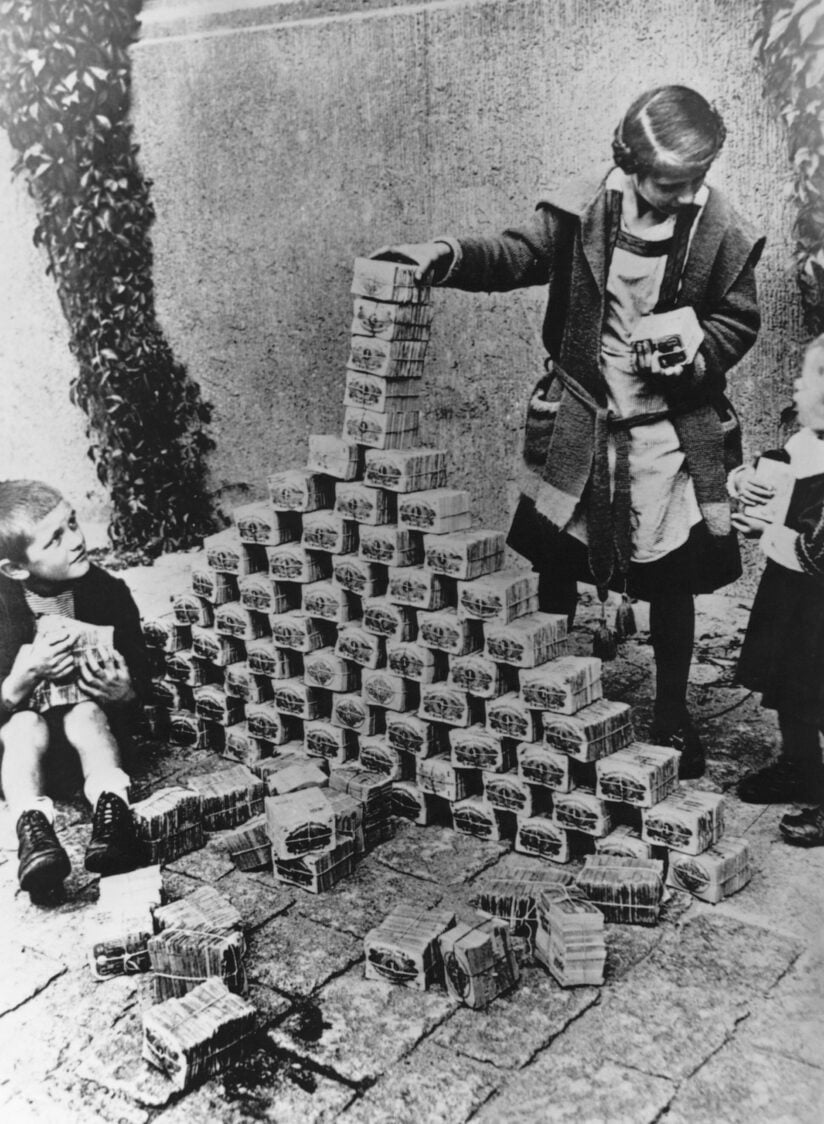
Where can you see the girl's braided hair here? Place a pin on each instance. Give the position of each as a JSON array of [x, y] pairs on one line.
[[669, 127]]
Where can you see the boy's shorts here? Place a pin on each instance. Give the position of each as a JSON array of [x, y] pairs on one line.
[[62, 773]]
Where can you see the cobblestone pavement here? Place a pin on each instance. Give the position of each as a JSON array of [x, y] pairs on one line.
[[714, 1015]]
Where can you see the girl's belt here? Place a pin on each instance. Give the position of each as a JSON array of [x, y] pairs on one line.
[[609, 534]]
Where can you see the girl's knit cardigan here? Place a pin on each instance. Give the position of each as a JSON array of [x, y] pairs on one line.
[[566, 245]]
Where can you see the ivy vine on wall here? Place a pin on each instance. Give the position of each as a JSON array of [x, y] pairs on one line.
[[789, 42], [64, 100]]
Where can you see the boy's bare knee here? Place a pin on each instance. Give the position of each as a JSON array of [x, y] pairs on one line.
[[84, 718], [27, 729]]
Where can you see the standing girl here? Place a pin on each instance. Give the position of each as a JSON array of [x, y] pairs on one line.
[[783, 652], [626, 462]]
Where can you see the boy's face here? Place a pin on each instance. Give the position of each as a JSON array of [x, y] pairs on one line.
[[57, 551], [808, 393]]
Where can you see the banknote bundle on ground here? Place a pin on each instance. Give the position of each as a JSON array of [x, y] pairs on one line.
[[570, 937], [190, 956], [419, 948], [356, 620], [120, 928], [515, 899], [195, 1020], [178, 818], [200, 1034]]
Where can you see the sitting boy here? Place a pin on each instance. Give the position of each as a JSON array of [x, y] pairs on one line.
[[45, 572]]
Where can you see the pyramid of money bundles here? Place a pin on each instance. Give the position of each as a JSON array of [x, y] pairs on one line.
[[356, 635]]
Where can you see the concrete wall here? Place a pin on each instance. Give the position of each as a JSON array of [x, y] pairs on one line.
[[286, 138]]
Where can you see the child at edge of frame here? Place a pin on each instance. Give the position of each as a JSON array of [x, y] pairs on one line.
[[45, 572], [783, 651]]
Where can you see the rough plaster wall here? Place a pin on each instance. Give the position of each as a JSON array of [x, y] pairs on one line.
[[41, 433], [286, 137], [281, 150]]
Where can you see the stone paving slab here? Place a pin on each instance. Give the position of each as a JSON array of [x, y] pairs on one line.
[[208, 863], [432, 1085], [437, 854], [64, 1099], [573, 1088], [788, 1023], [359, 903], [296, 956], [628, 945], [25, 973], [514, 1027], [178, 885], [256, 899], [787, 891], [55, 1026], [757, 823], [359, 1028], [719, 953], [744, 1086], [649, 1024], [271, 1005], [113, 1060], [738, 733], [625, 679], [263, 1088], [57, 929]]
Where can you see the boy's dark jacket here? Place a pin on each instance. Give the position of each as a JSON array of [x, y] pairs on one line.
[[99, 598], [566, 244]]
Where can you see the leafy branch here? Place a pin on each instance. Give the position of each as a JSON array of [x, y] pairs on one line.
[[65, 86]]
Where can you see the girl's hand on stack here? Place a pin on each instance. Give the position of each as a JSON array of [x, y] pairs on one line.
[[425, 255]]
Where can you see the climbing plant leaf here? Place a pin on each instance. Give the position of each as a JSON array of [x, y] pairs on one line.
[[65, 86], [789, 44]]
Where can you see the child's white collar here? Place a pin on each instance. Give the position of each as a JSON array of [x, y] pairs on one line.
[[806, 451]]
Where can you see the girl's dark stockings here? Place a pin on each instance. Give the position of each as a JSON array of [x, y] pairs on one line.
[[801, 744], [672, 635]]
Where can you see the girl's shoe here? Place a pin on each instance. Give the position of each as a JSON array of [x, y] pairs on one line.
[[806, 829]]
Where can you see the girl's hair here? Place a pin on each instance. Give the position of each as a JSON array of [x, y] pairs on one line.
[[668, 128], [23, 503]]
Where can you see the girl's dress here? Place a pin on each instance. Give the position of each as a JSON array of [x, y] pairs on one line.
[[783, 651], [663, 507], [569, 244]]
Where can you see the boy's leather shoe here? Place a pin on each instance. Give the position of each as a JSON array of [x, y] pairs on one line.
[[113, 847], [805, 829], [685, 739], [781, 782], [43, 862]]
